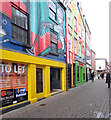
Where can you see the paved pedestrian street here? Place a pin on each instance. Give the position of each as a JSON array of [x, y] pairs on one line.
[[90, 100]]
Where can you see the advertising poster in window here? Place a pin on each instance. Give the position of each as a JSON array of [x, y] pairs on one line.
[[13, 83]]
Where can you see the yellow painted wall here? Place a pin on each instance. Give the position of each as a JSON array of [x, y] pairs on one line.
[[33, 63]]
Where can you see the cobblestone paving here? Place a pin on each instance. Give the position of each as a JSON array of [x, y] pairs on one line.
[[90, 100]]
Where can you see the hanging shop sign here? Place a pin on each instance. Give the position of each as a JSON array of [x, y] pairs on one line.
[[13, 82], [81, 64]]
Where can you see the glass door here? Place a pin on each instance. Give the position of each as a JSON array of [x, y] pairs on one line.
[[39, 80]]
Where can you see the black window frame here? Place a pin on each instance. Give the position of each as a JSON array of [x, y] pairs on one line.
[[24, 30], [53, 42], [54, 12]]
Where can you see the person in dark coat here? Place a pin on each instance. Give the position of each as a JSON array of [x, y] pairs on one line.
[[108, 79], [92, 76], [102, 75]]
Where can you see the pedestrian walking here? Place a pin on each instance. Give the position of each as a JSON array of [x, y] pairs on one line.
[[92, 76], [98, 75], [102, 76], [108, 81]]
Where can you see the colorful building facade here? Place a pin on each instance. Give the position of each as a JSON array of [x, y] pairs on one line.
[[93, 60], [43, 47], [88, 51], [75, 49], [33, 53]]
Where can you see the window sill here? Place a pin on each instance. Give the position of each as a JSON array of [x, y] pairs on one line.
[[55, 54], [20, 44]]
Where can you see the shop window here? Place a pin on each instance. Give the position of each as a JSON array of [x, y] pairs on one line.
[[14, 83], [52, 10], [39, 80], [19, 26], [53, 42], [78, 73], [75, 24], [55, 79], [69, 38]]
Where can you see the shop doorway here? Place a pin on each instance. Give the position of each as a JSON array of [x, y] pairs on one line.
[[55, 79], [74, 75], [78, 74], [69, 76], [81, 74], [84, 79], [39, 80]]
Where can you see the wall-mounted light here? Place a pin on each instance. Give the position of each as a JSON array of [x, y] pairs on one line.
[[6, 40]]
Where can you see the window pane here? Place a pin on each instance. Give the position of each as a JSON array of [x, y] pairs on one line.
[[69, 46], [17, 13], [13, 11], [25, 40], [69, 38], [53, 47], [25, 18], [18, 32], [25, 25], [54, 37], [52, 5], [52, 14], [21, 15], [75, 21], [22, 23], [13, 18]]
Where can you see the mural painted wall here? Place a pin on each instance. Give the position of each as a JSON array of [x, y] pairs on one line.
[[48, 32], [14, 24]]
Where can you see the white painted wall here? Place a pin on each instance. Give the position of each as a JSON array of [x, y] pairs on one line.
[[100, 63]]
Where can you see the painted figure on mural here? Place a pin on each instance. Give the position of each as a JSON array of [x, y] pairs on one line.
[[5, 32], [58, 28]]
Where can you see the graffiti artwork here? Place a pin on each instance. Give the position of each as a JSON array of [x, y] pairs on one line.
[[47, 20], [5, 25], [58, 28]]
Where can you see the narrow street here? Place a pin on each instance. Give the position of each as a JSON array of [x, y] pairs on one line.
[[90, 100]]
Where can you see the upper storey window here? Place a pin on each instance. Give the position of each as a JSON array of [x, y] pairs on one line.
[[69, 17], [19, 26], [52, 10]]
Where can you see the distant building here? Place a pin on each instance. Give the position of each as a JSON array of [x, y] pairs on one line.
[[101, 65], [88, 51], [93, 60]]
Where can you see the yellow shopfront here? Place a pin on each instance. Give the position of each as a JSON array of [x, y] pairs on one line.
[[37, 77]]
